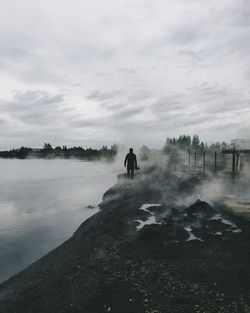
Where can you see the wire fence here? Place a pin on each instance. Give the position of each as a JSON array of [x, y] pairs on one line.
[[202, 161]]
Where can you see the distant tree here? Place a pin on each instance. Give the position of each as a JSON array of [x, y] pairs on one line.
[[115, 147], [58, 151], [144, 153], [195, 142], [23, 152], [224, 145], [48, 152], [47, 146], [215, 146], [183, 143]]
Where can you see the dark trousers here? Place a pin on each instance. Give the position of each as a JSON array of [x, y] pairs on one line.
[[130, 172]]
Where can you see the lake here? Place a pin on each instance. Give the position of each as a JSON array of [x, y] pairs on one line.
[[42, 202]]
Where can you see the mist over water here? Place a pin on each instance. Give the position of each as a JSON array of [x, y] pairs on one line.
[[42, 202]]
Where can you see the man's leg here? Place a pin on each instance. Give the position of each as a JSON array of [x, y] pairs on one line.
[[128, 170], [132, 173]]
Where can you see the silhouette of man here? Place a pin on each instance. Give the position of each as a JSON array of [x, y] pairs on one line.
[[131, 163]]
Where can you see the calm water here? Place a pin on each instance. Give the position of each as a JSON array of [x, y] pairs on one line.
[[42, 202]]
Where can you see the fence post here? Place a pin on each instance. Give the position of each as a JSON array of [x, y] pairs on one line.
[[189, 159], [195, 161], [204, 163], [233, 164], [238, 162], [215, 162]]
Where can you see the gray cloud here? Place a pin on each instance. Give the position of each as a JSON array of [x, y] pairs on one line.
[[123, 71], [188, 35], [88, 123], [128, 112], [238, 13], [37, 97], [169, 103], [2, 121], [220, 99], [35, 107], [102, 96]]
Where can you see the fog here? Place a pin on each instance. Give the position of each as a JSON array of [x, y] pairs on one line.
[[42, 202], [179, 183]]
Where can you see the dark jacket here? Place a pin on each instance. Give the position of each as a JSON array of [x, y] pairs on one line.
[[130, 160]]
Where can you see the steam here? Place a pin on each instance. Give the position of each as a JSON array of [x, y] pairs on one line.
[[168, 176]]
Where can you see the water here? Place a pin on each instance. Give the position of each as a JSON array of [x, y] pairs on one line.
[[42, 202]]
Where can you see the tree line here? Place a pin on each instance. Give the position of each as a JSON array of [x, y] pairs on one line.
[[61, 152], [183, 142], [186, 142]]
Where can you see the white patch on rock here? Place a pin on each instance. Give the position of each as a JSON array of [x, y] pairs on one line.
[[218, 233], [151, 220], [145, 207], [227, 222], [238, 230], [234, 228], [216, 217], [107, 308], [191, 235]]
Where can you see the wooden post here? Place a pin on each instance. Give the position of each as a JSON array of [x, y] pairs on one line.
[[189, 160], [238, 161], [195, 161], [233, 163], [204, 163], [215, 162]]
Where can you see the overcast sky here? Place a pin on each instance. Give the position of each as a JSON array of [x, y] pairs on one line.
[[89, 73]]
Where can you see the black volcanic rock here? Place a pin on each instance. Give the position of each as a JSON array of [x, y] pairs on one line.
[[141, 253]]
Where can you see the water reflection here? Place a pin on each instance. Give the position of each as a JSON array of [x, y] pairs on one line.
[[42, 202]]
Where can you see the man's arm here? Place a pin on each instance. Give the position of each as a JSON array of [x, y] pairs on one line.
[[126, 160], [135, 162]]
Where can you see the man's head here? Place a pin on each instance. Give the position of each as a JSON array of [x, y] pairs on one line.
[[130, 150]]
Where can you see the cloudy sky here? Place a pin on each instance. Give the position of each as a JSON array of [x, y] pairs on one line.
[[81, 72]]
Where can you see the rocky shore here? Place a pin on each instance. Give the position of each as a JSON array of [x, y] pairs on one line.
[[146, 251]]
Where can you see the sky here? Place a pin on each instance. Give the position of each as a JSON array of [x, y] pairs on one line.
[[132, 72]]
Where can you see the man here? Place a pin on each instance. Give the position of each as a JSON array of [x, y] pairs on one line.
[[131, 163]]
